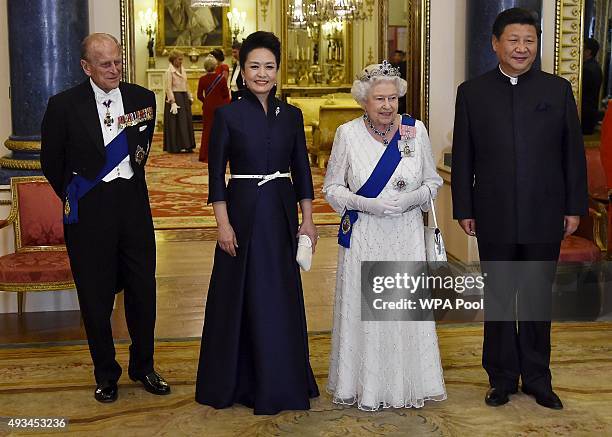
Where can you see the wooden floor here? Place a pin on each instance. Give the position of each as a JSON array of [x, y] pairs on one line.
[[184, 264]]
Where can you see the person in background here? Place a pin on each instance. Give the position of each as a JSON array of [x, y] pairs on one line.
[[221, 67], [178, 123], [236, 82], [213, 93], [399, 61], [591, 85]]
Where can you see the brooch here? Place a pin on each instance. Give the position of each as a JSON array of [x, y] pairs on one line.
[[346, 224], [67, 208], [277, 111], [399, 184], [140, 154]]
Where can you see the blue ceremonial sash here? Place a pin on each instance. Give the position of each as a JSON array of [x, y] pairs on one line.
[[214, 83], [385, 167], [116, 151]]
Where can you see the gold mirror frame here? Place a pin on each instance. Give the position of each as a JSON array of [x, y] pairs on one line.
[[569, 31], [127, 40], [348, 50], [417, 57]]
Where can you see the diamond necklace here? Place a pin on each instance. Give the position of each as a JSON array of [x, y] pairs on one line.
[[376, 131]]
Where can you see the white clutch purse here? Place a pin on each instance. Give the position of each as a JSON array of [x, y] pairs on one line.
[[304, 252], [434, 244]]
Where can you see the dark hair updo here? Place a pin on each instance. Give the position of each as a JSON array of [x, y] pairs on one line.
[[260, 40]]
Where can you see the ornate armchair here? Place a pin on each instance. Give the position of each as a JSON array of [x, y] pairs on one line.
[[40, 261], [330, 118]]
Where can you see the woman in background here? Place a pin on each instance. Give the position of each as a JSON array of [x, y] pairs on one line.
[[212, 92], [178, 124], [221, 67]]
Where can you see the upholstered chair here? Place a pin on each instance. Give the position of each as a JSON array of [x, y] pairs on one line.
[[40, 261]]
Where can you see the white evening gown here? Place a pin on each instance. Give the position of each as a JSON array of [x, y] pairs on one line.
[[379, 364]]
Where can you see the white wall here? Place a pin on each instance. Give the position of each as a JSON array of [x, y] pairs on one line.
[[447, 69]]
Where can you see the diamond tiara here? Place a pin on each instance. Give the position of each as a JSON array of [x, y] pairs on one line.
[[383, 69]]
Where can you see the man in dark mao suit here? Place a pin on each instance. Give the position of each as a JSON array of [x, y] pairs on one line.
[[110, 239], [519, 186]]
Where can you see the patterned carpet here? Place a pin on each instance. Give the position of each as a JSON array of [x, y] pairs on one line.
[[56, 381], [178, 189]]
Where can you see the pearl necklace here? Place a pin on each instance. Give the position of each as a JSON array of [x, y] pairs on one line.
[[376, 131]]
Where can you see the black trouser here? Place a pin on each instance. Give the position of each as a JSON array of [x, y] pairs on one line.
[[510, 348], [113, 247]]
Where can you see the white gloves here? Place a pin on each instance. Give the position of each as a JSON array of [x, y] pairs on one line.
[[389, 207], [412, 199], [174, 108], [375, 206]]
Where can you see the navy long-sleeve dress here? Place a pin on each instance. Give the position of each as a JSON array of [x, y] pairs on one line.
[[254, 344]]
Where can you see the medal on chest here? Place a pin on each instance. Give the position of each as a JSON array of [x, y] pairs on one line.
[[108, 120], [407, 141]]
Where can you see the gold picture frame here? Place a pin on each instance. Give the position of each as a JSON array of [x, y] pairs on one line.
[[418, 59], [182, 28]]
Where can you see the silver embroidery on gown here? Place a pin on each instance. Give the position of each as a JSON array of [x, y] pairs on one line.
[[379, 364]]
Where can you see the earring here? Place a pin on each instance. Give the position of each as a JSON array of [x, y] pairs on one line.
[[243, 82]]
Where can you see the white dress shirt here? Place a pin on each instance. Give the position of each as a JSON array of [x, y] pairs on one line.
[[234, 77], [124, 169]]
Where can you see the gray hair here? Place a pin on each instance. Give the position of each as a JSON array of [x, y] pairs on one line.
[[94, 38], [210, 63], [361, 88]]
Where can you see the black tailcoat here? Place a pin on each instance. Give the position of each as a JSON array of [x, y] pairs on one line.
[[518, 157], [112, 246], [254, 343]]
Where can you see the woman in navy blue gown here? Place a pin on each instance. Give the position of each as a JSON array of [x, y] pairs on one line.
[[254, 344]]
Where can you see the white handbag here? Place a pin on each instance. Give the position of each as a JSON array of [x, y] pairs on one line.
[[304, 252], [434, 244]]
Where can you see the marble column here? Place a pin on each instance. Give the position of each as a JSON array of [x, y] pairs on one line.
[[44, 39], [480, 17]]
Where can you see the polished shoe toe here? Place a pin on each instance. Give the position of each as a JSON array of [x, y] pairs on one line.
[[154, 383], [496, 397], [106, 392], [545, 398]]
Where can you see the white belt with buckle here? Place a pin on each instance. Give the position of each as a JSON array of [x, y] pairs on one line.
[[264, 177]]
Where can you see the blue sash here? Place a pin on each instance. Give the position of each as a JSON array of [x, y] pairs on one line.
[[214, 83], [116, 151], [383, 171]]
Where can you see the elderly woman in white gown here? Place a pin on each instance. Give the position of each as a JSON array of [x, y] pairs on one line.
[[378, 364]]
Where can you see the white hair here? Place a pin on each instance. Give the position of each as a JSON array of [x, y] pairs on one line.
[[361, 88]]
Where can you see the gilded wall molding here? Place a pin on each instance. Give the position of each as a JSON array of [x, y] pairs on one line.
[[128, 56], [569, 25]]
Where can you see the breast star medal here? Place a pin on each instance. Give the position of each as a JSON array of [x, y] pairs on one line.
[[399, 184], [140, 154]]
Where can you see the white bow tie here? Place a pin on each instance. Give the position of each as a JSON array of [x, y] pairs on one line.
[[113, 95]]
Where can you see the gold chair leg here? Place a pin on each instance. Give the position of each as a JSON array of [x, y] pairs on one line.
[[20, 302]]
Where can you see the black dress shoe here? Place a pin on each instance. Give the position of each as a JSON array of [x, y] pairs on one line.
[[546, 398], [106, 392], [154, 383], [496, 397]]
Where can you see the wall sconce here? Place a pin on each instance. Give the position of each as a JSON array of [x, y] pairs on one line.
[[236, 21], [148, 23]]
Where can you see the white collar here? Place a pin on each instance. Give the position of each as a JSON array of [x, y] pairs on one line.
[[513, 80], [102, 96]]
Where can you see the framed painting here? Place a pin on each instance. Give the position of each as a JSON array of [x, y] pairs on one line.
[[182, 27]]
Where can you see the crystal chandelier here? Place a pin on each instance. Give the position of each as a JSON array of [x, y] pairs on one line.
[[209, 3], [313, 13]]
